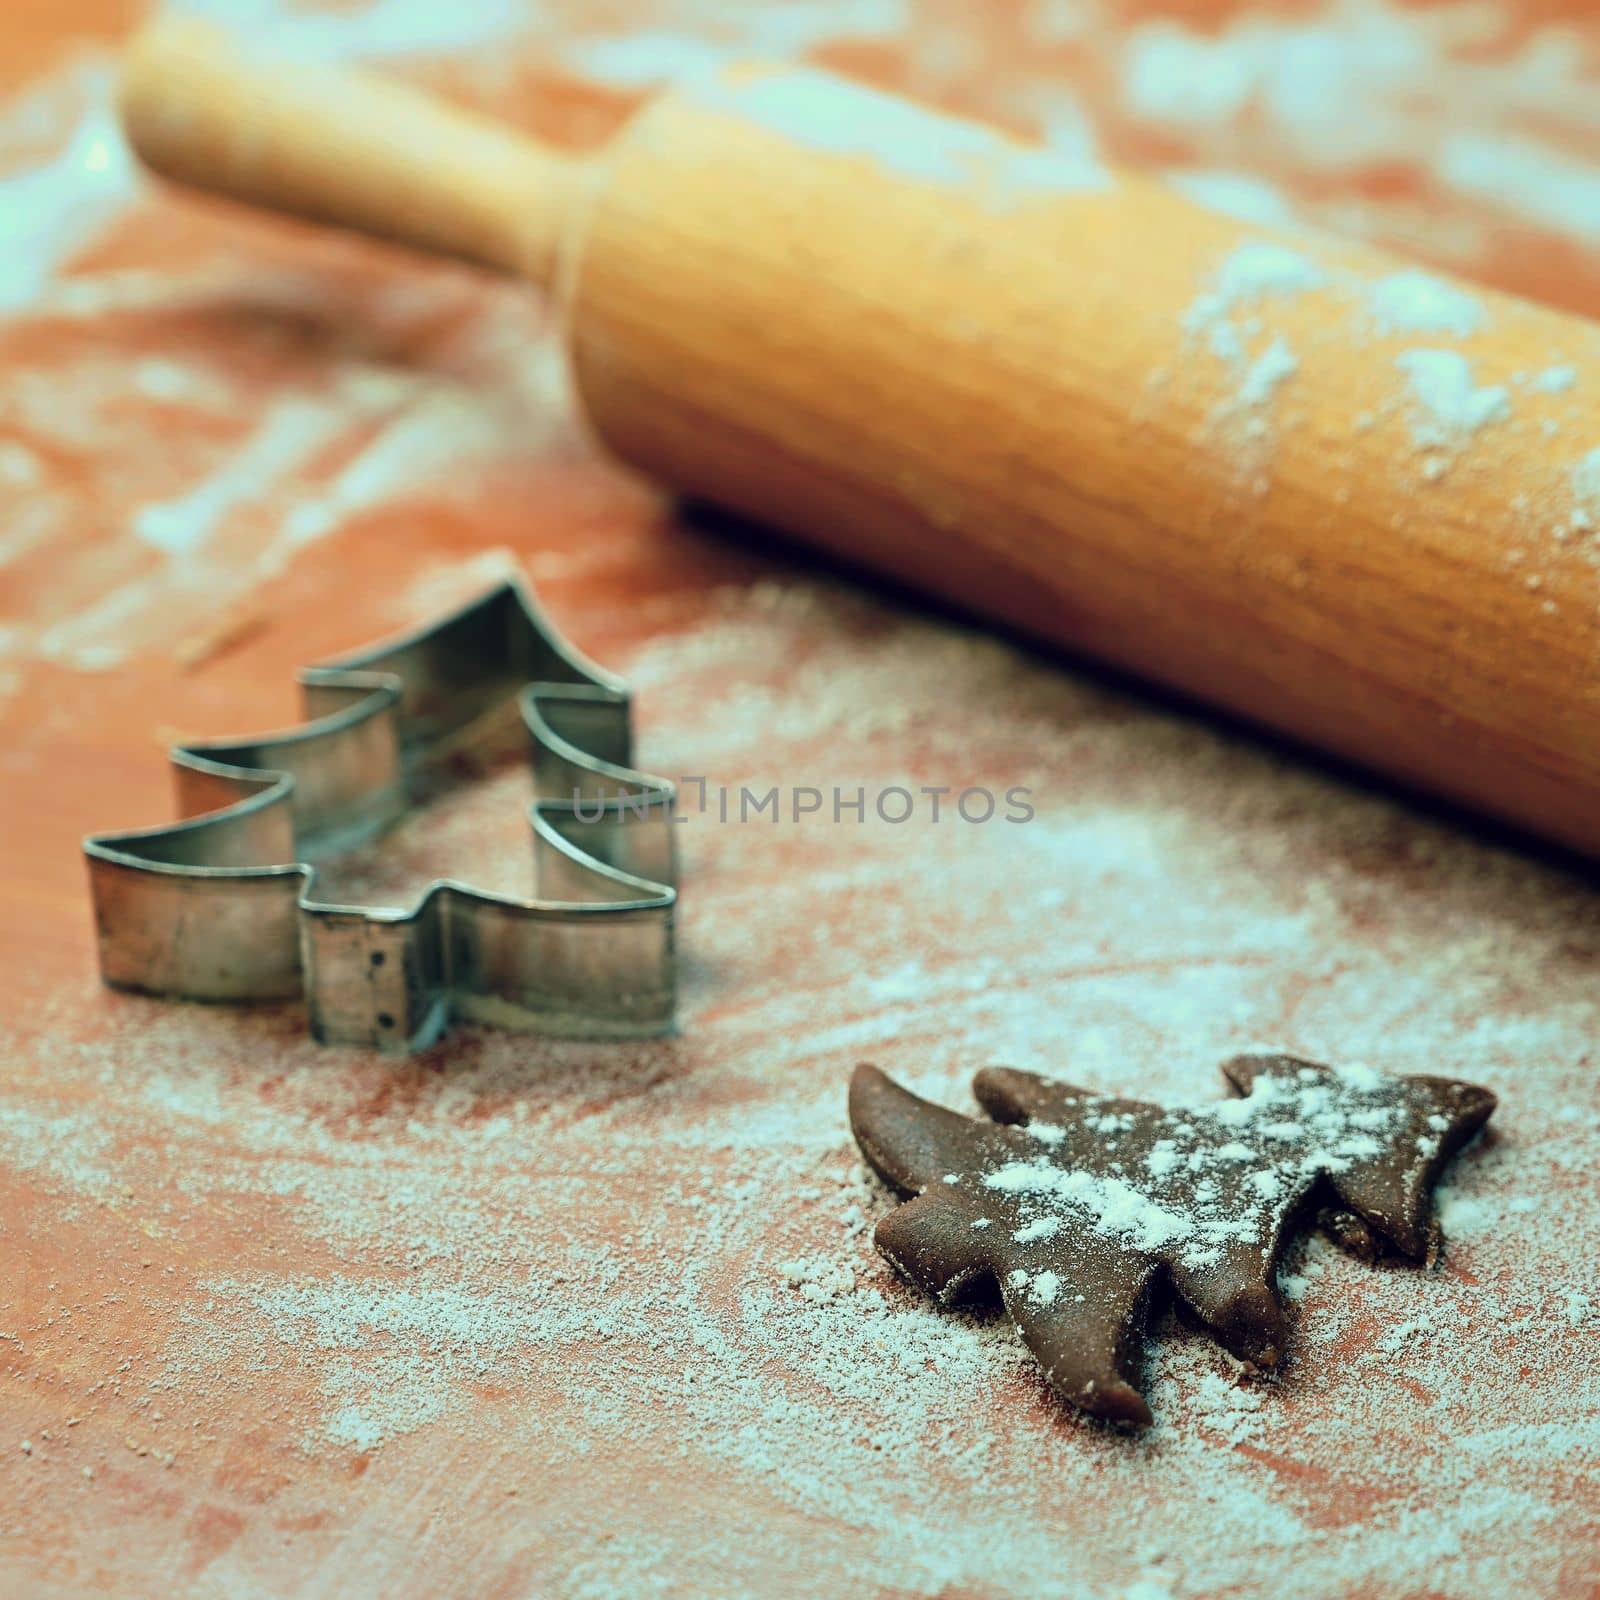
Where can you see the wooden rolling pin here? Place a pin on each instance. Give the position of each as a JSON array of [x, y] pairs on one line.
[[1349, 500]]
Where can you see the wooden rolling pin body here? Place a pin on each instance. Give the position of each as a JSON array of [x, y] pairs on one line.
[[1287, 475]]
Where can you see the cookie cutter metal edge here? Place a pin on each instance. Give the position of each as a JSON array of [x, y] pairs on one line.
[[222, 905]]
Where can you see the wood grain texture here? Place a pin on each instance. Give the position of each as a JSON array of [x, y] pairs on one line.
[[516, 1320], [1054, 396], [1011, 397]]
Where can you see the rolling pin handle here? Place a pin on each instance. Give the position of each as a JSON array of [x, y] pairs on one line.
[[339, 147]]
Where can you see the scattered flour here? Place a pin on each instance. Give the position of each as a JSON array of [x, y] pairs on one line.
[[819, 1279], [1272, 368], [372, 29], [48, 213], [1256, 271], [1555, 380], [645, 58], [1231, 1410], [1586, 490], [1191, 1199], [287, 440], [1347, 84], [846, 120], [1449, 407], [660, 1254], [1531, 181], [452, 1258], [1225, 316], [1241, 195], [1416, 302]]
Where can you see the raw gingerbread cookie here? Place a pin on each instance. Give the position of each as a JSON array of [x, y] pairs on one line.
[[1080, 1204]]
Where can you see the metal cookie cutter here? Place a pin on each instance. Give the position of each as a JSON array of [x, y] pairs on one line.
[[223, 905]]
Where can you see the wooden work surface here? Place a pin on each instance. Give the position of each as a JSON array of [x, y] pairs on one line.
[[514, 1318]]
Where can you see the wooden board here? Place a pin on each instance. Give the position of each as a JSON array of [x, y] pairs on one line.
[[516, 1318]]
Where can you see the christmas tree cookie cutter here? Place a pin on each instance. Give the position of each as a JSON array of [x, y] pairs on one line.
[[224, 906]]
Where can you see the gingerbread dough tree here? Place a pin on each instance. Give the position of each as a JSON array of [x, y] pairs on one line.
[[1079, 1205]]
